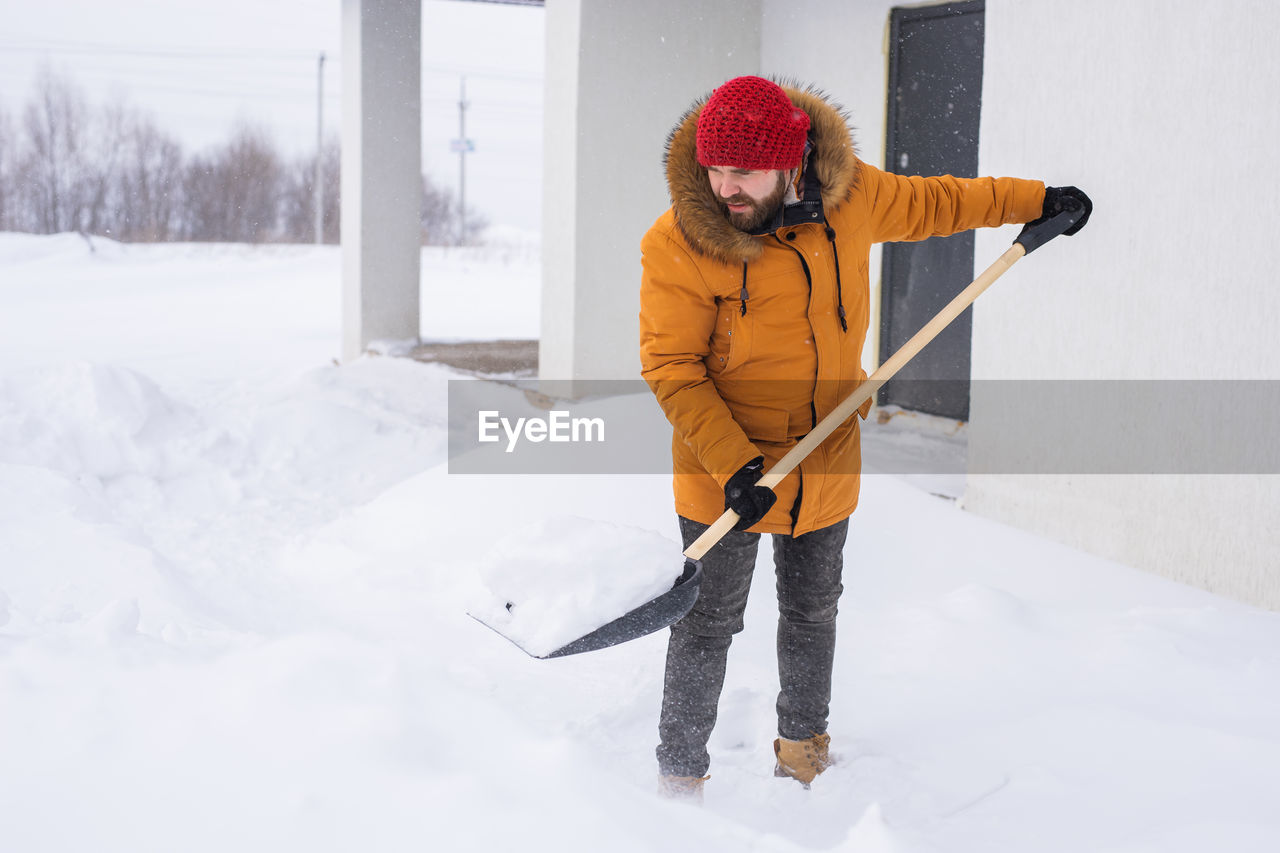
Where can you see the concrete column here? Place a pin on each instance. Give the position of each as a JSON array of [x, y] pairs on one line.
[[619, 74], [381, 172]]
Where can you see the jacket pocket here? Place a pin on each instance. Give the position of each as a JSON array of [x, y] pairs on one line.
[[731, 341]]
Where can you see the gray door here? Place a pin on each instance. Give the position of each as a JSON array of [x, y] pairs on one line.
[[935, 99]]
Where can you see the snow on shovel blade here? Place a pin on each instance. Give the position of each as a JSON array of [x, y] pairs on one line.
[[549, 594], [653, 615]]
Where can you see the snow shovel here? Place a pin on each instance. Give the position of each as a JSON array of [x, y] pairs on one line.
[[669, 607]]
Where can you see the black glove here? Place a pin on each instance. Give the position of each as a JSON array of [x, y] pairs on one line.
[[1053, 205], [743, 496]]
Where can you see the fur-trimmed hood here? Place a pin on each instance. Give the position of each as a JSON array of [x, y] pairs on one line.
[[699, 216]]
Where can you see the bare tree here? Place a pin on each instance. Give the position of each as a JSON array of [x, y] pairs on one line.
[[298, 208], [440, 219], [8, 142], [199, 219], [51, 175], [99, 169], [148, 191], [234, 193]]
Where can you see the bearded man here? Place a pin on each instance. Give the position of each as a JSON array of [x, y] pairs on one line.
[[754, 310]]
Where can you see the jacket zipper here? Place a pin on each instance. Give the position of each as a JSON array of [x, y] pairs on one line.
[[808, 278]]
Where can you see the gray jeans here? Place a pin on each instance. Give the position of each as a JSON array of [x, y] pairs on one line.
[[808, 572]]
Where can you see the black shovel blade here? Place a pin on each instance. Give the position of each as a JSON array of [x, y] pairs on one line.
[[654, 615]]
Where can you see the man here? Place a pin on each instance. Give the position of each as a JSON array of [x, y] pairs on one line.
[[754, 310]]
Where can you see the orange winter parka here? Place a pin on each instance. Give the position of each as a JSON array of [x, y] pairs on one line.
[[748, 340]]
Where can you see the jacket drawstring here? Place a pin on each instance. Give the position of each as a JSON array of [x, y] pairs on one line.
[[835, 254], [743, 295]]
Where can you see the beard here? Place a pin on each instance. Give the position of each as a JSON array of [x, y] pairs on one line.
[[760, 211]]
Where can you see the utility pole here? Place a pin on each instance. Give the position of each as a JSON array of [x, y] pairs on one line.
[[462, 146], [318, 188], [463, 143]]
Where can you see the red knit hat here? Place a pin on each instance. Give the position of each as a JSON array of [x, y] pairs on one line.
[[750, 123]]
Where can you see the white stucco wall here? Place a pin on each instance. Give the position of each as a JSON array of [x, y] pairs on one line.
[[619, 74], [1164, 113]]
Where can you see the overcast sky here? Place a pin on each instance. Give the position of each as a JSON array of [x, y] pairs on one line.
[[202, 67]]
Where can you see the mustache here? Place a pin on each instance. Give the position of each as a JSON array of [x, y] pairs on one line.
[[738, 198]]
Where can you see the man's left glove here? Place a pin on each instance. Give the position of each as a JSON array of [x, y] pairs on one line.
[[1053, 205], [743, 496]]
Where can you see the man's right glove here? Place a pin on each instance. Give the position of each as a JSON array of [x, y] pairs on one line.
[[743, 496], [1053, 205]]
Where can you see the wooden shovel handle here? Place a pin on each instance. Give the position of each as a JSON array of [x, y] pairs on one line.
[[865, 390]]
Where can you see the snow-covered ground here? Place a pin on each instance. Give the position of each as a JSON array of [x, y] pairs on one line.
[[234, 579]]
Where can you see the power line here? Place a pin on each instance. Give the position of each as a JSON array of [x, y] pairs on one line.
[[276, 54], [240, 55], [495, 74], [245, 79]]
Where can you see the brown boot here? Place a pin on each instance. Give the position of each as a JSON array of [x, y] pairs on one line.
[[802, 760], [682, 787]]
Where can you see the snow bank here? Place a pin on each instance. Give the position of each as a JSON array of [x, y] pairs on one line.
[[234, 582], [83, 418]]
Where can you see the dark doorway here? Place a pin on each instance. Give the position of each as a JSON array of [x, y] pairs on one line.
[[935, 100]]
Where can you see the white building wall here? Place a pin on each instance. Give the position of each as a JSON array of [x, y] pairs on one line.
[[619, 74], [1164, 113]]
